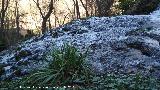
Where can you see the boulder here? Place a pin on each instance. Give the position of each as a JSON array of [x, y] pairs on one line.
[[114, 46]]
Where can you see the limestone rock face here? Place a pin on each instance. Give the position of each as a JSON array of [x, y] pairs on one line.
[[121, 44]]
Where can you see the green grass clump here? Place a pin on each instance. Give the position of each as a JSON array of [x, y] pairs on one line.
[[68, 67]]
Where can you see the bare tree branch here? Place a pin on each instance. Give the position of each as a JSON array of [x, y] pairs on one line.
[[40, 10], [85, 7]]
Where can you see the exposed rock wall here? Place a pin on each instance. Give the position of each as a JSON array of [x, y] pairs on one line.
[[121, 44]]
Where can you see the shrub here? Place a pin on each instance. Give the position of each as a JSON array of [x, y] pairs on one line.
[[2, 44], [138, 6], [126, 4]]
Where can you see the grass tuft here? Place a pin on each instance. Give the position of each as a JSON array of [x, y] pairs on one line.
[[68, 67]]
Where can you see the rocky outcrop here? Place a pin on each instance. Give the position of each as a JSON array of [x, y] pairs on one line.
[[122, 44]]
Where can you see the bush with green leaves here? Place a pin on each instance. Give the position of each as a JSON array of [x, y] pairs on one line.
[[137, 7], [126, 4]]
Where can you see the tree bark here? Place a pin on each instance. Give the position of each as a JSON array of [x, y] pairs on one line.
[[17, 19], [44, 25], [77, 10], [2, 15], [50, 23]]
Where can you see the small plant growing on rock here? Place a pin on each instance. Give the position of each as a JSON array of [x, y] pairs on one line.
[[2, 45], [68, 67], [1, 69]]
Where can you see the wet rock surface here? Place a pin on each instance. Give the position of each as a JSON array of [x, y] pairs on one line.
[[122, 44]]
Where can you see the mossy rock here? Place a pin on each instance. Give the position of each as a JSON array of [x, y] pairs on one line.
[[139, 32], [25, 63], [18, 48], [17, 58], [22, 54], [78, 32], [17, 72], [2, 70]]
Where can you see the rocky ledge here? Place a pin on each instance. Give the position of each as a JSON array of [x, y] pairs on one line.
[[122, 44]]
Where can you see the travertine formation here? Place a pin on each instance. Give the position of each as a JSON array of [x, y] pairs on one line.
[[122, 44]]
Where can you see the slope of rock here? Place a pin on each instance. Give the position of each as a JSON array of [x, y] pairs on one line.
[[122, 44]]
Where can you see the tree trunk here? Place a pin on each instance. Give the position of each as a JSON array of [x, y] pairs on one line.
[[44, 24], [77, 9], [74, 9], [2, 15], [45, 17], [50, 26], [17, 19]]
